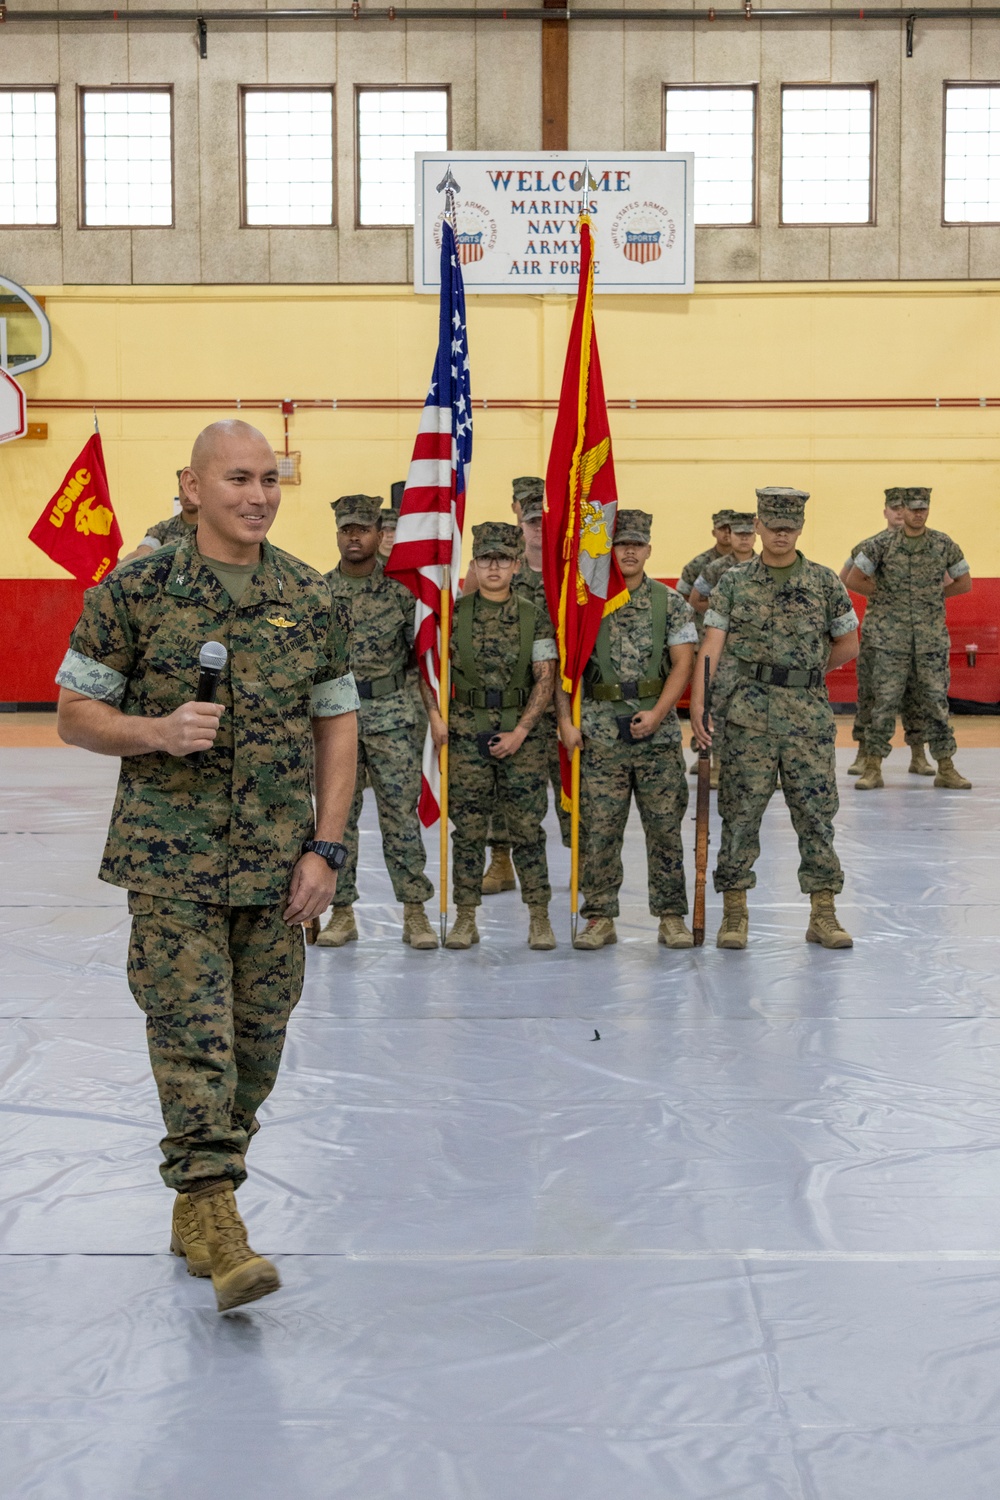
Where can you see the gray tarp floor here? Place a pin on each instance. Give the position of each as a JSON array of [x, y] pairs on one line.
[[747, 1244]]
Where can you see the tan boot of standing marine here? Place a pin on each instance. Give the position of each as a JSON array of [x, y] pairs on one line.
[[186, 1237], [238, 1274], [598, 933], [735, 928], [919, 764], [823, 925], [464, 931], [540, 934], [672, 933], [858, 763], [871, 777], [947, 776], [417, 931], [500, 874], [340, 929]]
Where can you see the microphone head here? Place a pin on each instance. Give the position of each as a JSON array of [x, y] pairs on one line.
[[212, 656]]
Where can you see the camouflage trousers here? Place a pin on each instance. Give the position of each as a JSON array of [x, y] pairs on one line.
[[547, 726], [914, 728], [610, 775], [391, 763], [217, 985], [516, 788], [926, 674], [750, 767]]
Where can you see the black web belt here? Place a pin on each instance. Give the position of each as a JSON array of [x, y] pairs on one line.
[[381, 687], [491, 697], [772, 676]]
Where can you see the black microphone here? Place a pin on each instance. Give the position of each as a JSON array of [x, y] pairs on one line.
[[212, 660]]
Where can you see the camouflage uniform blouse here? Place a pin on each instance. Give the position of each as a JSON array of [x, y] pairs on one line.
[[630, 629], [531, 586], [175, 529], [713, 571], [697, 565], [787, 624], [377, 614], [907, 610], [228, 831], [496, 646]]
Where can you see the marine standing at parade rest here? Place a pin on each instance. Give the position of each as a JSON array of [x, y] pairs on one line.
[[743, 531], [378, 616], [787, 622], [906, 575], [173, 529], [685, 583], [503, 657], [223, 859], [914, 730], [630, 744]]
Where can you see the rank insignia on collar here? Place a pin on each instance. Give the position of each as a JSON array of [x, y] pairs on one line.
[[281, 622]]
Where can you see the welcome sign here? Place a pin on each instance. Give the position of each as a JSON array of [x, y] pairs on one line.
[[516, 215]]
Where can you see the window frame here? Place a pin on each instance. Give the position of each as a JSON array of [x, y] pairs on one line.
[[754, 221], [872, 220], [40, 88], [81, 151], [959, 83], [388, 88], [287, 88]]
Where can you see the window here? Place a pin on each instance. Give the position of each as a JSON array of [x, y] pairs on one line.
[[126, 142], [288, 156], [972, 153], [392, 125], [826, 155], [28, 156], [719, 126]]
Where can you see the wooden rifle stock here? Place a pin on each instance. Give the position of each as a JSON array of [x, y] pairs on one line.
[[701, 824]]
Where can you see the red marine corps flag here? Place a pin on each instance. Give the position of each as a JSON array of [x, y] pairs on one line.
[[583, 582], [77, 528]]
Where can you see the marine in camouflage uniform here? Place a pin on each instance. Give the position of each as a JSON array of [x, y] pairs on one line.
[[640, 666], [207, 850], [780, 622], [742, 528], [502, 656], [691, 570], [906, 574], [388, 521], [377, 614]]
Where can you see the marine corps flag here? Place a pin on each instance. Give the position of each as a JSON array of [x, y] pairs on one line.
[[77, 528]]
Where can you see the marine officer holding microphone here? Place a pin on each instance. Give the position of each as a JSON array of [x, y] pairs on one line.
[[223, 858]]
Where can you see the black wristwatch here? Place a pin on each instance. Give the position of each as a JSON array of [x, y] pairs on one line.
[[334, 854]]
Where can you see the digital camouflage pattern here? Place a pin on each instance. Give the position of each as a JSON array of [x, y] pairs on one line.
[[230, 830], [690, 571], [174, 529], [633, 526], [726, 672], [377, 614], [778, 505], [923, 677], [914, 726], [497, 539], [770, 729], [531, 585], [528, 487], [496, 646], [630, 632], [907, 610], [914, 497], [217, 986], [357, 510]]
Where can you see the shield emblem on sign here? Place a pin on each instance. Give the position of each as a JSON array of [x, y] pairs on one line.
[[642, 246], [470, 247]]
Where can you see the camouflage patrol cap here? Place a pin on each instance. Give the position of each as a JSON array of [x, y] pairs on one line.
[[743, 521], [633, 526], [722, 517], [357, 510], [497, 539], [387, 519], [528, 487], [531, 510], [913, 498], [778, 506]]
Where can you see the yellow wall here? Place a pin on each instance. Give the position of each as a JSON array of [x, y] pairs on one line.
[[736, 341]]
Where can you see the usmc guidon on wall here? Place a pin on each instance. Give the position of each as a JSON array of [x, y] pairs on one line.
[[516, 216]]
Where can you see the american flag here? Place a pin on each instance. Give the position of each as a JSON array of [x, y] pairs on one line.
[[432, 512]]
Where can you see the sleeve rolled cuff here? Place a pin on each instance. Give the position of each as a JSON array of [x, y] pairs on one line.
[[703, 586], [545, 650], [686, 636], [864, 564], [337, 696], [844, 624], [92, 679], [713, 620], [683, 587], [150, 541], [959, 569]]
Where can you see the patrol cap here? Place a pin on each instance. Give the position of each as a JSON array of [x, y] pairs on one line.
[[722, 517], [633, 526], [357, 510], [497, 539], [528, 487], [778, 506], [913, 498], [387, 519], [743, 521], [531, 510]]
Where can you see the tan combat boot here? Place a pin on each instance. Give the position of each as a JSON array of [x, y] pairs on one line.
[[598, 933], [186, 1237], [823, 925], [871, 777], [673, 934], [417, 931], [464, 931], [340, 929], [713, 779], [735, 927], [857, 765], [500, 875], [919, 764], [540, 934], [949, 777], [238, 1275]]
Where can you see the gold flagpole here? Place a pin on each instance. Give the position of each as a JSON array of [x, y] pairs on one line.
[[444, 690], [574, 836]]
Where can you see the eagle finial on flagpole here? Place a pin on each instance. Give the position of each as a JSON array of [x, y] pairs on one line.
[[449, 187]]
